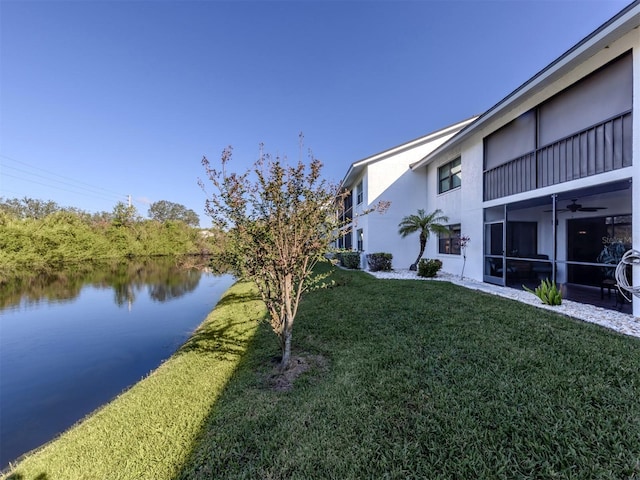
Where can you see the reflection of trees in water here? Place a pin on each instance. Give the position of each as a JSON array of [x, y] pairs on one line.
[[123, 294], [165, 278], [175, 287], [55, 287]]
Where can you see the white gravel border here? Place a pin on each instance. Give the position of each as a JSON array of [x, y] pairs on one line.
[[620, 322]]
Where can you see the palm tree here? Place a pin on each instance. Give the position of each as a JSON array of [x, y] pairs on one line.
[[425, 224]]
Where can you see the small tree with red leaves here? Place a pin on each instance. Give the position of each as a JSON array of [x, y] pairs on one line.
[[280, 220]]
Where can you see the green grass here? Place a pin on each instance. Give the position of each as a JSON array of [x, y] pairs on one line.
[[424, 380], [429, 380]]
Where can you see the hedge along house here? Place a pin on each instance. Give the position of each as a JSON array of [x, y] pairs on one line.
[[386, 176], [550, 176]]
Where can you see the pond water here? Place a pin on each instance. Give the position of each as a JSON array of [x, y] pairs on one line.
[[72, 342]]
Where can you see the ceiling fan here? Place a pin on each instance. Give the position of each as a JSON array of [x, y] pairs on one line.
[[574, 206]]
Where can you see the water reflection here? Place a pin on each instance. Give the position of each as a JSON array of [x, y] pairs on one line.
[[72, 341], [163, 278]]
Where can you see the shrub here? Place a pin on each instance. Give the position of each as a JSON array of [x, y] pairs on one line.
[[333, 258], [350, 260], [428, 267], [379, 261], [548, 292]]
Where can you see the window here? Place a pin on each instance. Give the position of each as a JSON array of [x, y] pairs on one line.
[[450, 242], [360, 239], [347, 211], [450, 176], [347, 245], [359, 193]]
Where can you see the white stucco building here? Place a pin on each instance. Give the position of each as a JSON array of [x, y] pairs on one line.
[[546, 183], [387, 177]]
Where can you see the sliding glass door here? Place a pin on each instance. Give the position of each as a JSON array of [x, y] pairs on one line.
[[494, 241]]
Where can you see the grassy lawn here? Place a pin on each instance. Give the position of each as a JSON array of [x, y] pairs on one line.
[[422, 380], [429, 380]]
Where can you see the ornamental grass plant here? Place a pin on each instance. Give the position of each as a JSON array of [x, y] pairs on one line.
[[547, 292]]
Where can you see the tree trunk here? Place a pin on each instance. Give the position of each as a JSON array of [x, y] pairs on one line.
[[464, 262], [423, 244], [286, 350]]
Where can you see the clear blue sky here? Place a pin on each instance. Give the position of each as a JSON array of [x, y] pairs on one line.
[[101, 99]]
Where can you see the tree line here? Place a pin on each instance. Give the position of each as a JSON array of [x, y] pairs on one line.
[[38, 236], [161, 211]]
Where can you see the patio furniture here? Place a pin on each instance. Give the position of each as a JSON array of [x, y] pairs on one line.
[[541, 270], [608, 284]]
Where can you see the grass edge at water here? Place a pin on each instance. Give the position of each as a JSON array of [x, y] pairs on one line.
[[424, 380], [149, 430]]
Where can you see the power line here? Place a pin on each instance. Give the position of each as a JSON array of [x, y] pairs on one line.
[[92, 190], [60, 188], [58, 175]]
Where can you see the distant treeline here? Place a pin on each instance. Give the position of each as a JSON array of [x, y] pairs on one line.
[[40, 236]]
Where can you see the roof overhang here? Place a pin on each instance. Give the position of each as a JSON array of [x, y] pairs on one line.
[[357, 168], [614, 29]]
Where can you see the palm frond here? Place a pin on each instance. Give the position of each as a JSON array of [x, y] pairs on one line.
[[423, 223]]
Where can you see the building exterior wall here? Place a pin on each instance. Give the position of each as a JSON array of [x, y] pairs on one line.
[[390, 179], [406, 196], [465, 205]]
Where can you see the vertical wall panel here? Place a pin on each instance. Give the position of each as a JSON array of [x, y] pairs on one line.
[[617, 144], [590, 156], [627, 142], [598, 97], [607, 163], [511, 141], [599, 149]]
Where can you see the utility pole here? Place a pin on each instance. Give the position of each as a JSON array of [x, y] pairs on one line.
[[129, 196]]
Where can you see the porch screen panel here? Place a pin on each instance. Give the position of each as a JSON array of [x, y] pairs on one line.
[[348, 244], [603, 95], [347, 212], [514, 140]]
